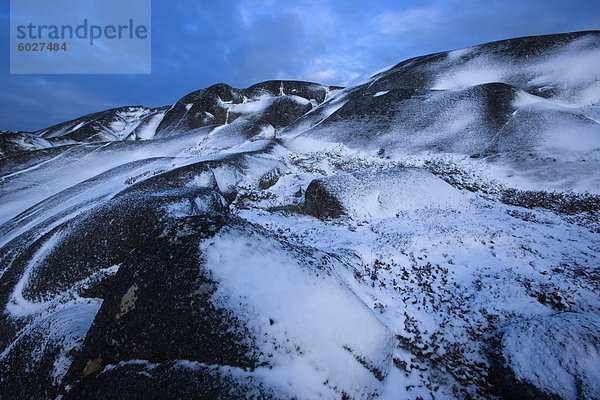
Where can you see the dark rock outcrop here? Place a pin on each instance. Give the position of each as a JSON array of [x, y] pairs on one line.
[[170, 380], [159, 308], [16, 143], [105, 126], [211, 106], [320, 202], [78, 260]]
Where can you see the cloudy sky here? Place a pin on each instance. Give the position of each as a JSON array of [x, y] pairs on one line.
[[240, 42]]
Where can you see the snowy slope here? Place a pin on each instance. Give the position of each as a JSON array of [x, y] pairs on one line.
[[527, 107], [431, 233]]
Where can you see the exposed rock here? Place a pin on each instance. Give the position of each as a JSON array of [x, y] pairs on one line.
[[285, 110], [320, 201], [15, 143], [216, 105], [159, 308], [77, 258], [306, 90], [103, 237], [40, 355], [269, 179], [200, 108], [171, 300], [146, 129], [105, 126], [170, 380], [197, 175], [491, 100]]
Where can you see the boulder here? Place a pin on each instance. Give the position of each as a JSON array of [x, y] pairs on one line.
[[549, 357], [379, 194]]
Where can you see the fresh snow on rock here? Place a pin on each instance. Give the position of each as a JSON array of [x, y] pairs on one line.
[[329, 334], [565, 350], [386, 193], [381, 93]]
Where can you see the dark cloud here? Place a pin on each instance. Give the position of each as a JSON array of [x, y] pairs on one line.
[[241, 42]]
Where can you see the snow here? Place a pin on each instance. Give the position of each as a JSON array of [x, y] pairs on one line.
[[260, 104], [570, 70], [548, 144], [45, 178], [524, 99], [560, 353], [381, 93], [267, 132], [382, 70], [145, 363], [567, 130], [321, 113], [63, 328], [183, 208], [326, 327], [18, 305], [79, 125], [255, 106], [309, 144], [480, 253], [68, 328], [118, 127], [149, 129], [591, 95], [456, 54], [386, 193], [61, 132], [475, 72], [573, 66], [562, 139], [227, 177]]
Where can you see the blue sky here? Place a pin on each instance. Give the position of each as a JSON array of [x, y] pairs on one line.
[[241, 42]]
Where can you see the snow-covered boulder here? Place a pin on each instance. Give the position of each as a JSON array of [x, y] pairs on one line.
[[379, 194], [551, 357]]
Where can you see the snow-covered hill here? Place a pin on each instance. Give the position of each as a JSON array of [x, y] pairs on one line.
[[432, 232], [526, 109]]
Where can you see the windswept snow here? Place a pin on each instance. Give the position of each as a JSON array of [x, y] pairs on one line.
[[148, 129], [439, 278], [381, 93], [330, 336], [475, 72], [565, 350]]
